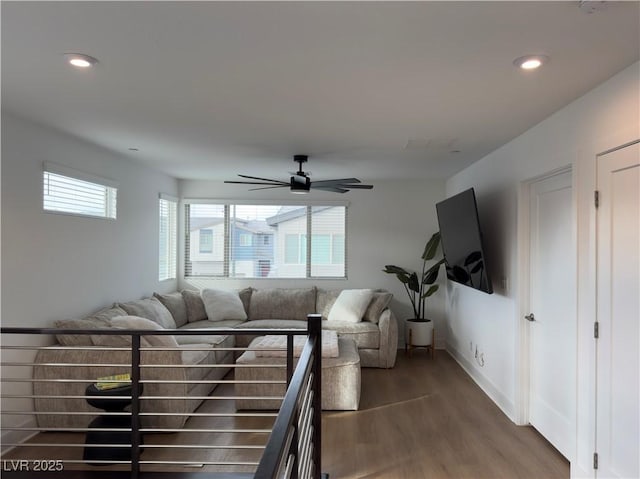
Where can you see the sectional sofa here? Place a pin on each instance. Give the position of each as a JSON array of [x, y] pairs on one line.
[[361, 315]]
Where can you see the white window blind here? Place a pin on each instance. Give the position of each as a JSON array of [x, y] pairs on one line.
[[72, 192], [258, 241], [167, 260]]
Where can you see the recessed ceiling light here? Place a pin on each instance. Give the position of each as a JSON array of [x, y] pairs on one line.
[[80, 60], [530, 62]]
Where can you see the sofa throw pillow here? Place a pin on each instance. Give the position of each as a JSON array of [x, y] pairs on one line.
[[378, 304], [134, 322], [107, 314], [195, 306], [325, 300], [350, 305], [78, 339], [221, 304], [150, 308], [174, 302], [245, 297]]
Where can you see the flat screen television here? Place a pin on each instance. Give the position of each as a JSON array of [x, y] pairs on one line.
[[461, 240]]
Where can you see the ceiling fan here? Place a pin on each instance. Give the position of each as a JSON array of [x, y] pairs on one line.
[[301, 183]]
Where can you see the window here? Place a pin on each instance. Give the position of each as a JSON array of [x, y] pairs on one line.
[[255, 241], [69, 191], [245, 239], [206, 241], [295, 249], [167, 264]]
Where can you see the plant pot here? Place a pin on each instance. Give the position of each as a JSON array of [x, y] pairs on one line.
[[418, 333]]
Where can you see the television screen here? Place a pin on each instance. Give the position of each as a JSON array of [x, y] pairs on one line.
[[461, 241]]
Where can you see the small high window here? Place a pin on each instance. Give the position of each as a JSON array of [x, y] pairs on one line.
[[69, 191]]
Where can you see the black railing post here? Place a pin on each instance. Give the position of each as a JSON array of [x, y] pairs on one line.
[[296, 412], [314, 322], [135, 405], [289, 358]]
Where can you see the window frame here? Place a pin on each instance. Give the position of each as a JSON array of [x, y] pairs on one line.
[[170, 256], [52, 171], [228, 205]]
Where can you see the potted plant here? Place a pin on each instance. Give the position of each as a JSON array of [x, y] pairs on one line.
[[419, 288]]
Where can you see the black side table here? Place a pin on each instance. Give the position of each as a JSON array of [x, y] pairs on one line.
[[104, 399]]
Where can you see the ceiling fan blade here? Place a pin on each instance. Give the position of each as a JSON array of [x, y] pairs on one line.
[[264, 179], [338, 181], [361, 187], [267, 187], [333, 188], [256, 183]]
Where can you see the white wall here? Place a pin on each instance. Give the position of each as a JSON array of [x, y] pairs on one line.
[[387, 225], [606, 117], [59, 266]]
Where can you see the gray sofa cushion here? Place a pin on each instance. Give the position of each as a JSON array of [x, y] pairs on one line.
[[273, 324], [150, 308], [364, 333], [282, 303], [379, 302], [207, 351], [174, 302], [325, 300], [195, 306], [98, 320], [245, 297], [78, 339], [134, 322], [107, 314], [206, 324]]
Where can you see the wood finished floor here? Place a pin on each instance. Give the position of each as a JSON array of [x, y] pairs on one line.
[[428, 419], [423, 419]]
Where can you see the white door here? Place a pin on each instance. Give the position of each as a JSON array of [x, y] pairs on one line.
[[618, 314], [552, 300]]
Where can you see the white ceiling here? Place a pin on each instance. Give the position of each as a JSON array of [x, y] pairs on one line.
[[206, 90]]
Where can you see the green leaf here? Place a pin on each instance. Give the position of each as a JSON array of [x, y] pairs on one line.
[[404, 278], [413, 284], [430, 291], [431, 274], [431, 247], [389, 268]]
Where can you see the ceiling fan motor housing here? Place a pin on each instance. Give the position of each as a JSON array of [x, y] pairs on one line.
[[300, 184]]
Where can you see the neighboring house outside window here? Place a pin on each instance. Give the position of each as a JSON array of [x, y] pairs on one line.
[[256, 241], [206, 241]]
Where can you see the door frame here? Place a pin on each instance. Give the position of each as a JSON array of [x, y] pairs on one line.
[[523, 359]]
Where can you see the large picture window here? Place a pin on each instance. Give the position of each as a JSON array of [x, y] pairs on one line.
[[265, 241]]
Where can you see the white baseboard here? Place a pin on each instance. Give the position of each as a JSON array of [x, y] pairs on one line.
[[17, 437], [576, 472], [485, 384]]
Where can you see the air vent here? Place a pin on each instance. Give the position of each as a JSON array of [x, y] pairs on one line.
[[592, 6]]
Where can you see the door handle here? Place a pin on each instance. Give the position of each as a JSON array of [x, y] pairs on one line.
[[530, 317]]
